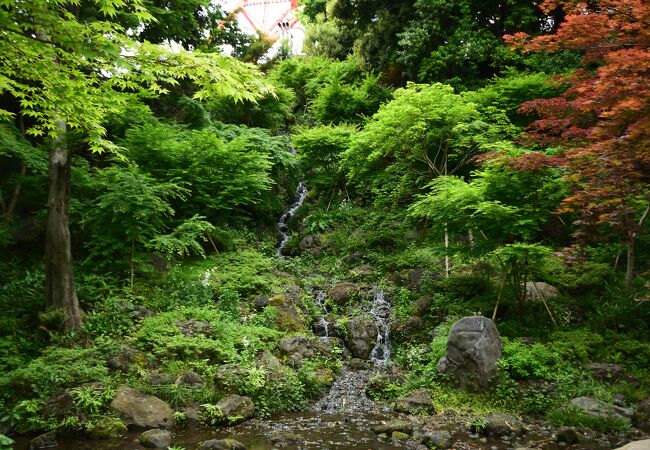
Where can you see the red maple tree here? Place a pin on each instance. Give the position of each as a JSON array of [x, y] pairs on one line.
[[603, 118]]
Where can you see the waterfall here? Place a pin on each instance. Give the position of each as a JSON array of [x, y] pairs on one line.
[[283, 227], [323, 324], [380, 311]]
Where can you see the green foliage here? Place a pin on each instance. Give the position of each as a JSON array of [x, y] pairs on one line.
[[521, 360], [185, 239], [111, 316], [6, 443], [57, 368], [91, 401]]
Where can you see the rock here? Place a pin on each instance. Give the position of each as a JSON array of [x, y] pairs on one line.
[[59, 405], [268, 360], [291, 312], [221, 444], [418, 401], [352, 257], [141, 410], [440, 440], [298, 347], [236, 408], [414, 323], [606, 372], [636, 445], [567, 435], [285, 439], [642, 415], [107, 428], [381, 381], [473, 349], [359, 364], [600, 409], [342, 293], [45, 440], [192, 414], [310, 242], [499, 424], [260, 301], [191, 328], [422, 305], [123, 360], [159, 379], [393, 425], [399, 435], [361, 336], [539, 290], [156, 438], [159, 262], [191, 380], [140, 312]]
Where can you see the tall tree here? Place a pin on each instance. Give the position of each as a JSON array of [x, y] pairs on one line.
[[604, 116], [68, 73]]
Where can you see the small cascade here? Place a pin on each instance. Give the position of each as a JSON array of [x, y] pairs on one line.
[[323, 324], [283, 222], [348, 394], [380, 311]]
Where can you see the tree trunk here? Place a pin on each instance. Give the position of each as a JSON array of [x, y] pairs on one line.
[[59, 278], [629, 273]]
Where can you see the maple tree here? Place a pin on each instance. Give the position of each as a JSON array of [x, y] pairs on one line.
[[604, 115]]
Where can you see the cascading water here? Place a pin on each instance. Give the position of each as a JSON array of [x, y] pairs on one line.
[[323, 325], [283, 222], [380, 311]]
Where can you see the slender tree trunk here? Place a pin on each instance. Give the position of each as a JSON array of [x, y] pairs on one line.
[[59, 278], [629, 273], [16, 193], [131, 262]]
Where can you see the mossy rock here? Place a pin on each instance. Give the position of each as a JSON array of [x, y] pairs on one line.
[[107, 428]]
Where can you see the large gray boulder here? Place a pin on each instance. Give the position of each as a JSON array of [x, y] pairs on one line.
[[539, 290], [418, 401], [45, 440], [473, 349], [361, 336], [141, 410], [636, 445]]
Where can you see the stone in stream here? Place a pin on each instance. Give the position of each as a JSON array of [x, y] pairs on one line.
[[391, 426], [440, 440], [236, 408], [636, 445], [221, 444], [141, 410], [45, 440], [568, 435], [107, 428], [473, 349], [642, 415], [156, 438], [361, 336]]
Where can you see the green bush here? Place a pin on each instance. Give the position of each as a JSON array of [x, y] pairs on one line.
[[575, 417], [521, 360]]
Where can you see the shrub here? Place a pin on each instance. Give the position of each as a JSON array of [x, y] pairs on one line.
[[575, 417], [521, 360]]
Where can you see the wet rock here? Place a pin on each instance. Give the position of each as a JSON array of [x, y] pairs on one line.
[[359, 364], [191, 380], [156, 438], [141, 410], [191, 328], [636, 445], [399, 435], [418, 401], [192, 414], [221, 444], [499, 424], [236, 408], [45, 440], [361, 336], [567, 435], [352, 257], [473, 349], [342, 293], [539, 290], [107, 428], [440, 440], [260, 302], [391, 426], [285, 439], [414, 323], [600, 409], [124, 360]]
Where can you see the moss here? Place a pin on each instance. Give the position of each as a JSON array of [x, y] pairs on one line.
[[106, 428]]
